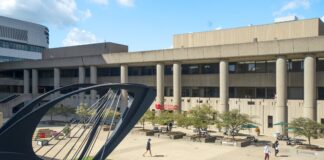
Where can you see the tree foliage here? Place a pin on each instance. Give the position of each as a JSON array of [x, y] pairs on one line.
[[164, 117], [306, 127], [148, 116], [233, 121], [201, 117]]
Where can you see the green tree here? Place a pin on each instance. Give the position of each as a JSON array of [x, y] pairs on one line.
[[148, 116], [201, 117], [306, 127], [182, 119], [233, 121], [52, 112], [82, 111], [164, 117]]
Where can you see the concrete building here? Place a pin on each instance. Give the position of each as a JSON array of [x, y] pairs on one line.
[[21, 40], [273, 72]]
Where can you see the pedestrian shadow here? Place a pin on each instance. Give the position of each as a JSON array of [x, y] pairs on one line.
[[283, 156], [158, 155]]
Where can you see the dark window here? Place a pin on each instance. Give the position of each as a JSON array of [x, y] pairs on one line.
[[260, 67], [134, 71], [321, 93], [261, 93], [270, 121], [232, 67], [295, 65], [231, 92], [195, 92], [271, 66], [69, 73], [149, 70], [211, 91], [168, 70], [271, 92], [320, 65], [185, 92], [210, 68]]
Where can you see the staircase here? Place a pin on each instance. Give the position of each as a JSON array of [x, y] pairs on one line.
[[11, 104]]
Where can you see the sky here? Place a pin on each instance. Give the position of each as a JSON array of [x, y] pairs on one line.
[[149, 24]]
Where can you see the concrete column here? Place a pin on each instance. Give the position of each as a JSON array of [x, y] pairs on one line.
[[124, 79], [34, 81], [26, 81], [177, 85], [310, 87], [160, 85], [57, 78], [223, 86], [93, 80], [81, 74], [81, 80], [281, 94]]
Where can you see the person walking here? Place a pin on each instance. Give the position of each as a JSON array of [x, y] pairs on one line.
[[266, 152], [276, 148], [148, 147]]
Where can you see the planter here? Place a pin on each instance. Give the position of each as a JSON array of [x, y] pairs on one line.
[[242, 143], [210, 139]]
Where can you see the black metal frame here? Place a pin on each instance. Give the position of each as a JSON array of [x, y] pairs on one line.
[[16, 134]]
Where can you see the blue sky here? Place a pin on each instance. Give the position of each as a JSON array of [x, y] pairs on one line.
[[149, 24]]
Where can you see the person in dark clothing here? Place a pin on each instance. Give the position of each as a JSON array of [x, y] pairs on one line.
[[170, 126], [148, 147], [276, 148]]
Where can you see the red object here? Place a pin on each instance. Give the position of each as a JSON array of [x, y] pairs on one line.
[[41, 135], [170, 107], [159, 106]]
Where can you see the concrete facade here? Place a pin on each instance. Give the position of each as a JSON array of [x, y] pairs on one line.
[[272, 80]]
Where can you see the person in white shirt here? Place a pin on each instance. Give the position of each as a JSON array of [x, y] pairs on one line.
[[266, 152]]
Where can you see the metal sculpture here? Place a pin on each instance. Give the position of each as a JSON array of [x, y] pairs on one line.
[[16, 134]]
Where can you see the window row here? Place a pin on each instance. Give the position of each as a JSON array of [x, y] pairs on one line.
[[20, 46]]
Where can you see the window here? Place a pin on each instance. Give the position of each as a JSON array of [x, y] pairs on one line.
[[320, 65], [232, 67], [210, 68], [261, 93], [260, 67], [168, 70], [270, 121], [320, 93], [271, 92], [295, 65], [271, 66]]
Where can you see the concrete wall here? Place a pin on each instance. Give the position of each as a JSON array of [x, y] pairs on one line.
[[84, 50], [268, 32], [257, 109]]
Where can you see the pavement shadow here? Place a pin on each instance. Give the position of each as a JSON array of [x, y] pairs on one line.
[[158, 155], [261, 143]]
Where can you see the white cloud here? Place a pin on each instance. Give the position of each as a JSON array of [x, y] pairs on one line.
[[57, 12], [218, 28], [100, 2], [293, 5], [78, 37], [127, 3], [322, 19]]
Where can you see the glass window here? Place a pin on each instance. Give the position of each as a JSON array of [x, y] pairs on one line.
[[271, 66], [168, 70], [271, 92], [210, 68], [320, 65], [232, 67], [260, 67], [270, 121], [295, 65], [320, 93], [261, 93]]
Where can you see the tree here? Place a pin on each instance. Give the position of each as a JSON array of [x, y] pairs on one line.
[[83, 112], [182, 119], [306, 127], [233, 121], [148, 116], [52, 112], [164, 117], [201, 117]]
